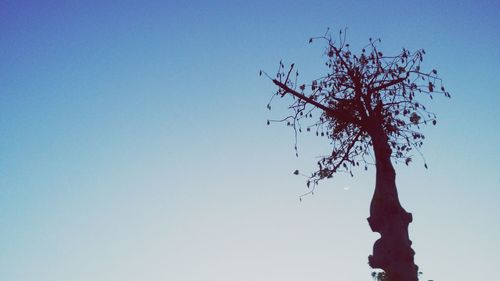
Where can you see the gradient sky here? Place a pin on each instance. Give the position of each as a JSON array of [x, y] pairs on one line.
[[134, 145]]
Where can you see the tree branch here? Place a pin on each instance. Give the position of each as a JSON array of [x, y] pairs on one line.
[[347, 152], [301, 96], [386, 85]]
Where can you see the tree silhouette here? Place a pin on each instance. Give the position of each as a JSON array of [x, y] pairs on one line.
[[367, 105]]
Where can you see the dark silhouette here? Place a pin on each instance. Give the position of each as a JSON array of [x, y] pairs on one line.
[[381, 276], [367, 106]]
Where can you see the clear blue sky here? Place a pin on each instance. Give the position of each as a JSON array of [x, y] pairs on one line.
[[134, 145]]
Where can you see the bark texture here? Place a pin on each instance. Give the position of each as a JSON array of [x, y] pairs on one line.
[[392, 252]]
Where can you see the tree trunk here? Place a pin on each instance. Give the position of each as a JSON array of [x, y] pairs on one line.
[[392, 252]]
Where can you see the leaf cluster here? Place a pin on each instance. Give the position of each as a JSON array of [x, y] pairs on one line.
[[362, 95]]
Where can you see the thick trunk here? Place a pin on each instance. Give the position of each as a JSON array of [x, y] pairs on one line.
[[392, 252]]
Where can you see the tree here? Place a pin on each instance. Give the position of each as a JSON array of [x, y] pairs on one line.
[[368, 107]]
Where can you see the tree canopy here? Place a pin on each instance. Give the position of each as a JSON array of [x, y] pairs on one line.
[[360, 94]]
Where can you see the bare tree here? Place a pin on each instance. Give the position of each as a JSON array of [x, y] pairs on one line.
[[368, 106]]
